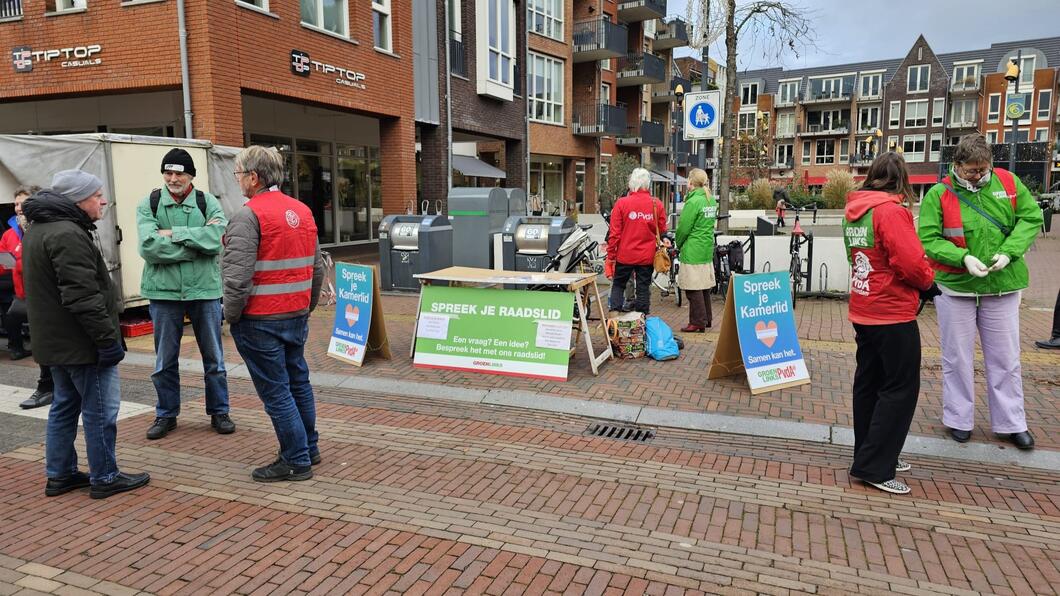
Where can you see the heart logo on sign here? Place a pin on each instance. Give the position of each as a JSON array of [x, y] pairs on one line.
[[766, 332], [353, 314]]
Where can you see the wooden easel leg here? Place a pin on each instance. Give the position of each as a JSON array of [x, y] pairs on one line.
[[584, 322]]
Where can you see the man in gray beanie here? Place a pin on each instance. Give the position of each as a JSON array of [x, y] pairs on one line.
[[73, 311]]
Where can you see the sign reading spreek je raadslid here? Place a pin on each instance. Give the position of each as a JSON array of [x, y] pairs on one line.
[[502, 332], [358, 316], [758, 334]]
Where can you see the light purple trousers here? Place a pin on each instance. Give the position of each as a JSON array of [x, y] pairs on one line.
[[997, 320]]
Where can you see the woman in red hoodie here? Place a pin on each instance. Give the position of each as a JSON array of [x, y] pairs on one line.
[[637, 221], [889, 275]]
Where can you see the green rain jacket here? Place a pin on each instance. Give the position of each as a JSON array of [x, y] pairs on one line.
[[695, 228], [984, 238], [184, 266]]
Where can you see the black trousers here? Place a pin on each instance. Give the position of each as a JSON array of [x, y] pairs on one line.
[[1056, 316], [643, 273], [886, 387], [14, 316]]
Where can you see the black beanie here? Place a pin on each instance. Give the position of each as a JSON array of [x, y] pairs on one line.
[[178, 160]]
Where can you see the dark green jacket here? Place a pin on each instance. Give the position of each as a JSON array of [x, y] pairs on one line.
[[186, 265], [695, 228], [73, 307]]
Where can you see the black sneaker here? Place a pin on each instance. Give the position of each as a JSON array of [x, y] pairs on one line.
[[279, 471], [122, 483], [20, 354], [223, 424], [161, 428], [59, 486], [38, 399]]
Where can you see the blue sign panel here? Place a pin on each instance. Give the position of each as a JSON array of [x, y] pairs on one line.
[[353, 312], [765, 324]]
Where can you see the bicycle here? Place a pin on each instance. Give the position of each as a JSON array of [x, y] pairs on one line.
[[666, 281], [799, 238]]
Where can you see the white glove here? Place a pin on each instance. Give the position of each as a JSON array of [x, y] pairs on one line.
[[1000, 262], [975, 266]]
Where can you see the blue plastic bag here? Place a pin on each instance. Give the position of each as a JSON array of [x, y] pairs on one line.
[[661, 342]]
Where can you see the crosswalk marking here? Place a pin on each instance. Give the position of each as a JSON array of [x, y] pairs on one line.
[[11, 396]]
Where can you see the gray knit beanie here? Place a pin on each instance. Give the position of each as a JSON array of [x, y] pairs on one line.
[[75, 185]]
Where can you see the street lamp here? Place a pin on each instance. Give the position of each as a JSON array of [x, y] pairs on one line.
[[1012, 75], [679, 97]]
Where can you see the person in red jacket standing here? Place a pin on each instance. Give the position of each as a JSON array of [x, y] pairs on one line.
[[889, 276], [637, 221]]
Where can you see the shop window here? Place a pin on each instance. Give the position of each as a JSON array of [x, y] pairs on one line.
[[546, 184], [545, 17], [495, 48], [545, 90], [381, 24], [330, 16]]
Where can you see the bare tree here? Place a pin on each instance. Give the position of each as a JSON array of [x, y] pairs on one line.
[[778, 27]]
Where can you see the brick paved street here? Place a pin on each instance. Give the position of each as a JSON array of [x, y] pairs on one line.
[[418, 496]]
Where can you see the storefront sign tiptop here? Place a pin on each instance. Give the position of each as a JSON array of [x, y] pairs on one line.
[[24, 57], [302, 66]]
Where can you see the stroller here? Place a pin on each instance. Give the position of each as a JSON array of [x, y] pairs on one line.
[[577, 254]]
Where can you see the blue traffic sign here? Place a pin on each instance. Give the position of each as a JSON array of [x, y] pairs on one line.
[[702, 115]]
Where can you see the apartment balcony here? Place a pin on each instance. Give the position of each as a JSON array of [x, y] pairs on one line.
[[10, 9], [640, 69], [457, 57], [683, 146], [965, 86], [599, 39], [784, 165], [816, 130], [862, 160], [599, 120], [673, 34], [645, 134], [870, 98], [787, 133], [963, 124], [664, 92], [633, 11], [825, 98]]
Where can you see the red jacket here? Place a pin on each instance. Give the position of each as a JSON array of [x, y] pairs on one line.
[[631, 239], [283, 272], [888, 265], [12, 243]]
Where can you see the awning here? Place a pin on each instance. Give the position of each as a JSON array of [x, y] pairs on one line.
[[664, 176], [923, 178], [815, 180], [470, 166]]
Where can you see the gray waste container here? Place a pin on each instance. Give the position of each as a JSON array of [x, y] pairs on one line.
[[765, 227], [477, 215], [516, 201], [411, 244], [528, 240]]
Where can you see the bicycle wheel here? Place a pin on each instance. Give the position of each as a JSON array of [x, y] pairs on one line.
[[675, 270], [662, 281], [795, 271]]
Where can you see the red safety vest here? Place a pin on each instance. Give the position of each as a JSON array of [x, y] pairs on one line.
[[953, 225], [283, 273]]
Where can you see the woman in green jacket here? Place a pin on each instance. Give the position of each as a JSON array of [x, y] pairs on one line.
[[695, 241], [975, 228]]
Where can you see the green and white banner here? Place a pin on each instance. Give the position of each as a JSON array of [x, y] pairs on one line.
[[501, 332]]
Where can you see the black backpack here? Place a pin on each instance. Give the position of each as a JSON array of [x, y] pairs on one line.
[[735, 256], [156, 196]]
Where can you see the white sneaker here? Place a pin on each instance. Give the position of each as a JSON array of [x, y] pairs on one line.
[[902, 466], [892, 486]]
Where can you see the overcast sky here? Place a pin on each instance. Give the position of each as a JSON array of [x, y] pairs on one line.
[[859, 30]]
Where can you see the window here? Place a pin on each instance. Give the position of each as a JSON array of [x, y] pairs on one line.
[[844, 151], [381, 24], [865, 150], [1022, 136], [834, 87], [495, 48], [456, 20], [1027, 71], [788, 93], [916, 113], [936, 146], [938, 111], [326, 15], [965, 77], [913, 148], [894, 118], [1041, 135], [64, 5], [605, 93], [545, 17], [918, 80], [825, 152], [262, 4], [892, 143], [870, 85], [963, 112], [545, 89], [827, 120], [868, 119], [805, 153], [605, 65], [991, 137], [785, 125], [746, 123], [1045, 99], [749, 94], [785, 155], [993, 112]]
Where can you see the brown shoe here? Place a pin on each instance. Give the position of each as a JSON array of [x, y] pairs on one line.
[[692, 329]]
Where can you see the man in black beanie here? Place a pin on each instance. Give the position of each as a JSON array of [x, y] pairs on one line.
[[180, 230]]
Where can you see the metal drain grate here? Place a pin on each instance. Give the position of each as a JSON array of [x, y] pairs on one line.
[[621, 433]]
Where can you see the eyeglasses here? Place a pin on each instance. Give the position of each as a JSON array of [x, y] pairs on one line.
[[239, 173], [976, 172]]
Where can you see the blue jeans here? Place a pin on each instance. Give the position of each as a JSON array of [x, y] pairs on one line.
[[274, 352], [93, 394], [168, 319]]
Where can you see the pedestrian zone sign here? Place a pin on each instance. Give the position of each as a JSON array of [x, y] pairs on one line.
[[758, 334], [702, 115]]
